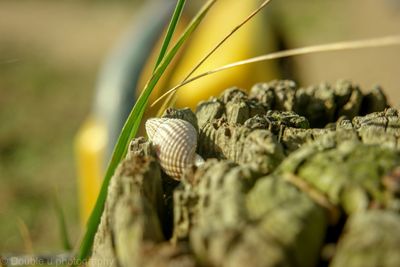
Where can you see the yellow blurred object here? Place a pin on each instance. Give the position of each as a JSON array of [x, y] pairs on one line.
[[90, 145], [253, 39]]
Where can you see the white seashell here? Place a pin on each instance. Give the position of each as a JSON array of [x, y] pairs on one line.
[[175, 141]]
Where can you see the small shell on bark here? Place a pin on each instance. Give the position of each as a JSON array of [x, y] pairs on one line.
[[175, 141]]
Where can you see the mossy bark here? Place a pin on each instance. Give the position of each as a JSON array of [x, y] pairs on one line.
[[293, 177]]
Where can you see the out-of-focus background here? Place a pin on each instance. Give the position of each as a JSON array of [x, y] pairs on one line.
[[50, 55]]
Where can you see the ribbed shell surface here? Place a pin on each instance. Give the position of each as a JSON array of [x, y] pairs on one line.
[[175, 141]]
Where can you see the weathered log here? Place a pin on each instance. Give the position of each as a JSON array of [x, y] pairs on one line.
[[370, 239], [274, 191]]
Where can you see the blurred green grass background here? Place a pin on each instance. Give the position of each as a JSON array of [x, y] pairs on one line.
[[50, 53]]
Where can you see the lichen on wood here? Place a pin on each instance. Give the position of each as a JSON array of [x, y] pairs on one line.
[[241, 144], [131, 226], [370, 239], [294, 177]]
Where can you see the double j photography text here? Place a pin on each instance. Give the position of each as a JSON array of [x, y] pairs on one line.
[[53, 260]]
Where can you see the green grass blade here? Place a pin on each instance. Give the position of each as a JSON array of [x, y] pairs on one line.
[[144, 97], [170, 32], [128, 132], [62, 224]]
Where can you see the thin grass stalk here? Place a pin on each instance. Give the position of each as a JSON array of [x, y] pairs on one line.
[[170, 100], [129, 130], [62, 224], [233, 31], [26, 235], [349, 45], [170, 31]]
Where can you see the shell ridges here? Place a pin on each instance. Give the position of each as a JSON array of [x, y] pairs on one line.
[[175, 141]]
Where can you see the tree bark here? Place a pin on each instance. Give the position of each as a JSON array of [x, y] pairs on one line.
[[293, 177]]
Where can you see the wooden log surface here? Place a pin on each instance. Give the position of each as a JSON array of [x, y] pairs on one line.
[[293, 177]]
